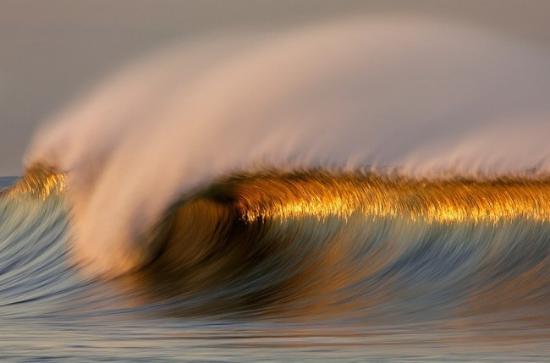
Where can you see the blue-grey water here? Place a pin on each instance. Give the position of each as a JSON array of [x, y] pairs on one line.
[[50, 312]]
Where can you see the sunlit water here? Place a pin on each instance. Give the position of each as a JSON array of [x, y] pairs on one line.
[[51, 312]]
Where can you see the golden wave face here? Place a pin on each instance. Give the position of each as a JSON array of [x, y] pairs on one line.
[[39, 182], [315, 242], [321, 195]]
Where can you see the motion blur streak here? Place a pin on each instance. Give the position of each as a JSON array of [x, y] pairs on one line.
[[375, 188]]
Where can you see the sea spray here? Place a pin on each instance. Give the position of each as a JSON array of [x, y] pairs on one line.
[[392, 95]]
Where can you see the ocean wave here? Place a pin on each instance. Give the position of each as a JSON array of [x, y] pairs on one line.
[[378, 184], [323, 245], [405, 95]]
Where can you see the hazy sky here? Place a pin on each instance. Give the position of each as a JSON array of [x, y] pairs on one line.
[[52, 50]]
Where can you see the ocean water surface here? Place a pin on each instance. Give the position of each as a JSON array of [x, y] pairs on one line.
[[369, 189]]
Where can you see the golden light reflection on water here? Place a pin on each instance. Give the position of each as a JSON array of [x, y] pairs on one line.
[[39, 182], [321, 195]]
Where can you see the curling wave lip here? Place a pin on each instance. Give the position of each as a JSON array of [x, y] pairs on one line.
[[322, 194]]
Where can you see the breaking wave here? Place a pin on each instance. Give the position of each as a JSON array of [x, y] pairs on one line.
[[306, 244], [402, 95], [381, 171]]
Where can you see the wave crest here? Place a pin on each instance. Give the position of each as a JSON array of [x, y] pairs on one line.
[[424, 98]]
